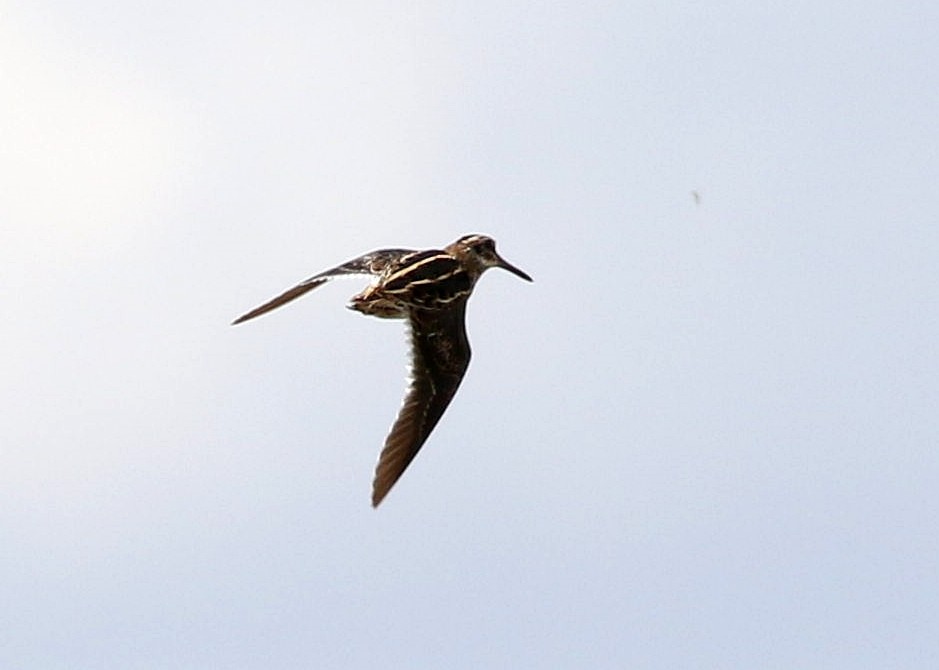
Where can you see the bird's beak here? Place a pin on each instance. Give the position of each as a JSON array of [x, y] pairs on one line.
[[505, 265]]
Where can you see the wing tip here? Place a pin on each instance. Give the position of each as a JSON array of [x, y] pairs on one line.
[[380, 488], [285, 297], [252, 314]]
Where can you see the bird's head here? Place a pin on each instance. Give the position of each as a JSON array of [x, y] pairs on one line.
[[478, 253]]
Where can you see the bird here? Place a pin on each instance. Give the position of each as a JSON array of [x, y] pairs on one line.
[[428, 289]]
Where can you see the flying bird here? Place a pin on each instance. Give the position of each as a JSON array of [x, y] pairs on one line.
[[428, 289]]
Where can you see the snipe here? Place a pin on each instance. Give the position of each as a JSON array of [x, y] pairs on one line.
[[429, 289]]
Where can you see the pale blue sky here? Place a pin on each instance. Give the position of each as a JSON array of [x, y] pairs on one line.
[[706, 436]]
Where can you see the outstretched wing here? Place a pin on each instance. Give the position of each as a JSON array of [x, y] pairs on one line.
[[373, 263], [439, 356], [283, 298]]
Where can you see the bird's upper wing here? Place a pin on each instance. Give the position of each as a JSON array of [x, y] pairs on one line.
[[373, 263], [439, 357], [282, 299]]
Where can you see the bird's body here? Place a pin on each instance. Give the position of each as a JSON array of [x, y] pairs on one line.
[[429, 289]]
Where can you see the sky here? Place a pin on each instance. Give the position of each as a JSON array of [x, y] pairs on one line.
[[706, 435]]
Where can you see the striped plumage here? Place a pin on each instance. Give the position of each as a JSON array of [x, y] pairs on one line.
[[429, 289]]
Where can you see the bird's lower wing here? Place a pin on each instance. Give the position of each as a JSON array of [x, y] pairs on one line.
[[439, 358]]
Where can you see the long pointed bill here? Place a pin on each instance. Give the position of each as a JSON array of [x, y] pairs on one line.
[[505, 265]]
